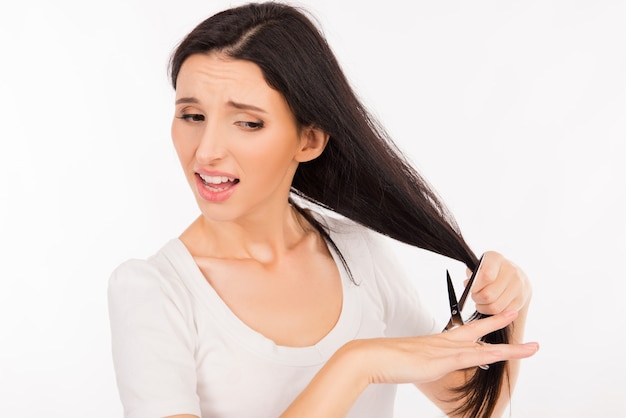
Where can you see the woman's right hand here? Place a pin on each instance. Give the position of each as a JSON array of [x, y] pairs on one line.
[[428, 358]]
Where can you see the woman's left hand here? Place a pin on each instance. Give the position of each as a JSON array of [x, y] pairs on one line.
[[499, 285]]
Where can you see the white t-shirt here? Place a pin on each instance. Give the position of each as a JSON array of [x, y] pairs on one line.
[[178, 349]]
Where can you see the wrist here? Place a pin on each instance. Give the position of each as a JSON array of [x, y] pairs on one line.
[[352, 361], [335, 388]]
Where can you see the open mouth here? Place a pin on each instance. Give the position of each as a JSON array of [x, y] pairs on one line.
[[217, 183]]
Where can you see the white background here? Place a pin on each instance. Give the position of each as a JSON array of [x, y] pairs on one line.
[[514, 111]]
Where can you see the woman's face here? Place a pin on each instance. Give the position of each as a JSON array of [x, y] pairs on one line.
[[236, 138]]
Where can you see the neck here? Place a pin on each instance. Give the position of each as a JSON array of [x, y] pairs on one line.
[[265, 236]]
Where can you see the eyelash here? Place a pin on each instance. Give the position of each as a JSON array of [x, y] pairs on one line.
[[196, 117], [253, 126], [191, 117]]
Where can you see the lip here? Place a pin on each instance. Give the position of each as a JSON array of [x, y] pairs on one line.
[[212, 195], [215, 173]]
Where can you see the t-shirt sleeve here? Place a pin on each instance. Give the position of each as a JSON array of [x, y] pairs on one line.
[[153, 343], [404, 313]]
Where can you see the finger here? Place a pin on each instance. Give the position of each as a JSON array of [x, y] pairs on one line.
[[469, 272], [488, 271], [475, 330], [492, 292], [481, 353], [508, 291], [497, 298]]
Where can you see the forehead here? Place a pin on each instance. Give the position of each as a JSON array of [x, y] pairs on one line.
[[217, 73]]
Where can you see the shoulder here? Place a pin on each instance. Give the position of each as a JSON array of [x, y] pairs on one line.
[[146, 278], [153, 335], [137, 272]]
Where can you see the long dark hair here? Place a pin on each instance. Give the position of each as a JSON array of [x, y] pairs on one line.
[[361, 174]]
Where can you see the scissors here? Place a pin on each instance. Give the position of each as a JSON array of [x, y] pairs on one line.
[[457, 306]]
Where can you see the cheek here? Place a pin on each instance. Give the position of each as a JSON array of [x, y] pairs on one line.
[[184, 146], [276, 157]]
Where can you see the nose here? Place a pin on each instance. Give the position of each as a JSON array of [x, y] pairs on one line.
[[212, 145]]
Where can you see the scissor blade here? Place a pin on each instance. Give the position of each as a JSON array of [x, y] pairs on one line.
[[455, 314]]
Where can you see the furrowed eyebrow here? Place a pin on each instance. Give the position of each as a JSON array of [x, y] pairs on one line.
[[244, 106], [236, 105]]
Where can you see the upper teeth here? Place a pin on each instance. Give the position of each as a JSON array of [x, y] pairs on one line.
[[216, 179]]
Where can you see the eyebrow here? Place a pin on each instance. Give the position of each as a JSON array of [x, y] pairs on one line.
[[187, 100], [236, 105], [244, 106]]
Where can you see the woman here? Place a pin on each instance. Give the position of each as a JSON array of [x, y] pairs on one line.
[[262, 308]]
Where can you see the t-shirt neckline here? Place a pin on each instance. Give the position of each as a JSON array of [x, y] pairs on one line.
[[345, 329]]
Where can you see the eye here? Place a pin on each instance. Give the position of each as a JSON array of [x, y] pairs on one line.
[[250, 126], [192, 117]]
